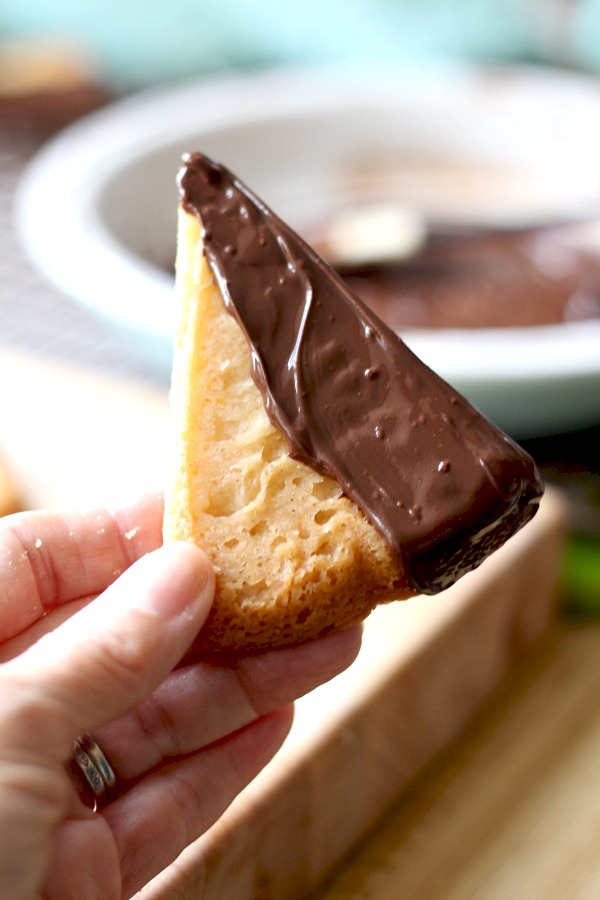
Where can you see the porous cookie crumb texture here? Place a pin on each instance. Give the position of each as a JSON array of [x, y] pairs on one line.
[[294, 558]]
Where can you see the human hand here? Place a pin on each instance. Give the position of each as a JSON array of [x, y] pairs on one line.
[[81, 652]]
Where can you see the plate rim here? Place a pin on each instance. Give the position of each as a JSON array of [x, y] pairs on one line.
[[64, 165]]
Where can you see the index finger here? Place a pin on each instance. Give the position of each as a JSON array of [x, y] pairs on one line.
[[50, 558]]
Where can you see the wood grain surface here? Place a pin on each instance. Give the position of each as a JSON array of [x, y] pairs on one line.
[[512, 810]]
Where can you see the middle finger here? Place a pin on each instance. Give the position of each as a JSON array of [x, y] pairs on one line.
[[202, 703]]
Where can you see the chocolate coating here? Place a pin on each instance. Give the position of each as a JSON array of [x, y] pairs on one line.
[[440, 482]]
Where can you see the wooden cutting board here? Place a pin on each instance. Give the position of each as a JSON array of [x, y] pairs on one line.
[[71, 438]]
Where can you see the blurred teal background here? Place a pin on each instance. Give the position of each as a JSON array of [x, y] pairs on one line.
[[136, 43]]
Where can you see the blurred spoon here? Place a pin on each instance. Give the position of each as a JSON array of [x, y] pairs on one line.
[[373, 234], [387, 232]]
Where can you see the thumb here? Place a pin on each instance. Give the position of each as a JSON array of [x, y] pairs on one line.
[[113, 653]]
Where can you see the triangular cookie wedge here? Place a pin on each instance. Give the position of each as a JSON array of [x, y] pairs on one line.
[[322, 467]]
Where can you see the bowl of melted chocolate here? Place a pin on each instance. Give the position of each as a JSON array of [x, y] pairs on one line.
[[472, 278], [496, 284]]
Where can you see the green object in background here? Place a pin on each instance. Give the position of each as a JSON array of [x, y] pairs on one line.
[[571, 463], [581, 574]]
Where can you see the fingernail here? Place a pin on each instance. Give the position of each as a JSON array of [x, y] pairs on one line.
[[176, 577]]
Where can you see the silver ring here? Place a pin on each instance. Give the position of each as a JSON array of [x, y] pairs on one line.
[[103, 766], [92, 764]]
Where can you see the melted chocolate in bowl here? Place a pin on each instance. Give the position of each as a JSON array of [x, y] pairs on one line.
[[483, 279]]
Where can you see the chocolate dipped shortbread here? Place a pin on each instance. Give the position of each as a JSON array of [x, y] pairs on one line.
[[318, 462]]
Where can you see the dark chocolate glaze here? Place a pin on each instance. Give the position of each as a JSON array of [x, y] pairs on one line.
[[441, 483]]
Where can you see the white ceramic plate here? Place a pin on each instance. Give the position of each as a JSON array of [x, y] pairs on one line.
[[97, 208]]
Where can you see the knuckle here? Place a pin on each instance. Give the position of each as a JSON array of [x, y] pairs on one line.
[[249, 680], [121, 662], [27, 707], [159, 728]]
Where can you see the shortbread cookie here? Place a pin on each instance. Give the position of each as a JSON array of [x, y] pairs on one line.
[[322, 467], [293, 556]]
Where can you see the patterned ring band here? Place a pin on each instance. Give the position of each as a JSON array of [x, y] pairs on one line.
[[92, 764], [94, 752]]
